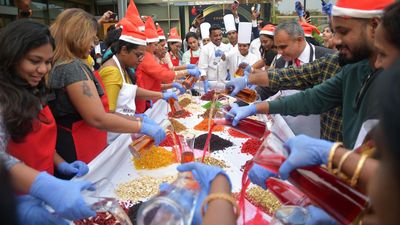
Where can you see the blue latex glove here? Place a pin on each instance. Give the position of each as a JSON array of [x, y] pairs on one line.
[[204, 174], [304, 151], [246, 66], [319, 216], [191, 66], [239, 113], [179, 87], [156, 132], [219, 53], [206, 86], [259, 175], [30, 211], [194, 72], [146, 119], [77, 168], [299, 9], [169, 94], [64, 196], [238, 84], [327, 8]]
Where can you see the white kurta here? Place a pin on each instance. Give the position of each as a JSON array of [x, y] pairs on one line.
[[210, 66], [255, 47], [235, 58]]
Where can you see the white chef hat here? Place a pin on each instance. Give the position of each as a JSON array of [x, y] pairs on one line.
[[229, 22], [205, 30], [244, 36]]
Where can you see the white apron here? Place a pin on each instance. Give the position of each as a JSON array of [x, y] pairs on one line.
[[125, 101]]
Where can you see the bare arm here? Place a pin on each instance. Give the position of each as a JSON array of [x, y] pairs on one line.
[[220, 211], [84, 97], [259, 64], [23, 177], [350, 165], [147, 94]]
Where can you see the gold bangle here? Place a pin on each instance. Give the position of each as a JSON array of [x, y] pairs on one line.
[[332, 154], [357, 172], [139, 124], [223, 196], [342, 160]]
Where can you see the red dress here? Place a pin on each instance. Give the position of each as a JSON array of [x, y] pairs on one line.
[[150, 75]]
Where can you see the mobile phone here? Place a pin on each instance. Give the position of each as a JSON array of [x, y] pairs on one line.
[[235, 5], [113, 16], [258, 7]]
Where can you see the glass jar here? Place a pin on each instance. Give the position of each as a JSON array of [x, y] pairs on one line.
[[175, 205]]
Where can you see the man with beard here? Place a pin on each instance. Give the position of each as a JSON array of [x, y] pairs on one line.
[[353, 87]]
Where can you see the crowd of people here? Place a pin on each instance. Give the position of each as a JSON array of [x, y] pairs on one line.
[[65, 96]]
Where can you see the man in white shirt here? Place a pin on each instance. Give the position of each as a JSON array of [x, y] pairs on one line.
[[295, 50], [241, 56], [210, 63]]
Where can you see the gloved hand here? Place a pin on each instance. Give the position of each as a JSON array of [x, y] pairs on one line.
[[191, 66], [259, 175], [239, 113], [327, 8], [179, 87], [246, 67], [77, 168], [206, 86], [194, 72], [30, 211], [304, 151], [299, 9], [169, 94], [204, 174], [64, 196], [218, 53], [146, 119], [319, 216], [238, 84], [156, 132]]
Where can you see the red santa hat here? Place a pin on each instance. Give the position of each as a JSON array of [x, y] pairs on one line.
[[174, 36], [131, 33], [151, 31], [268, 29], [160, 32], [133, 15], [360, 8], [308, 29]]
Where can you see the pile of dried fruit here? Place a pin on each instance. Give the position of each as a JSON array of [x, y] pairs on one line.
[[237, 134], [251, 146], [203, 126], [208, 96], [180, 114], [216, 142], [178, 127], [213, 162], [184, 102]]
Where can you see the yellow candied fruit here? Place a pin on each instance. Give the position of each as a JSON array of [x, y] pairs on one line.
[[153, 158]]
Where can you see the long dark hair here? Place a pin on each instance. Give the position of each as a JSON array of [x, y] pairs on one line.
[[392, 29], [20, 103]]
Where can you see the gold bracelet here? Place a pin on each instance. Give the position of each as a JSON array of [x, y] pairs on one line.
[[139, 124], [332, 154], [342, 160], [357, 172], [223, 196]]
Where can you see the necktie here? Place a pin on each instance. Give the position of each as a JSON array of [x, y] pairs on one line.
[[297, 62]]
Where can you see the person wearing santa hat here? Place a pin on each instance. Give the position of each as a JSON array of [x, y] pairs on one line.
[[352, 88], [174, 47], [121, 91], [151, 75], [230, 29], [241, 58], [266, 49]]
